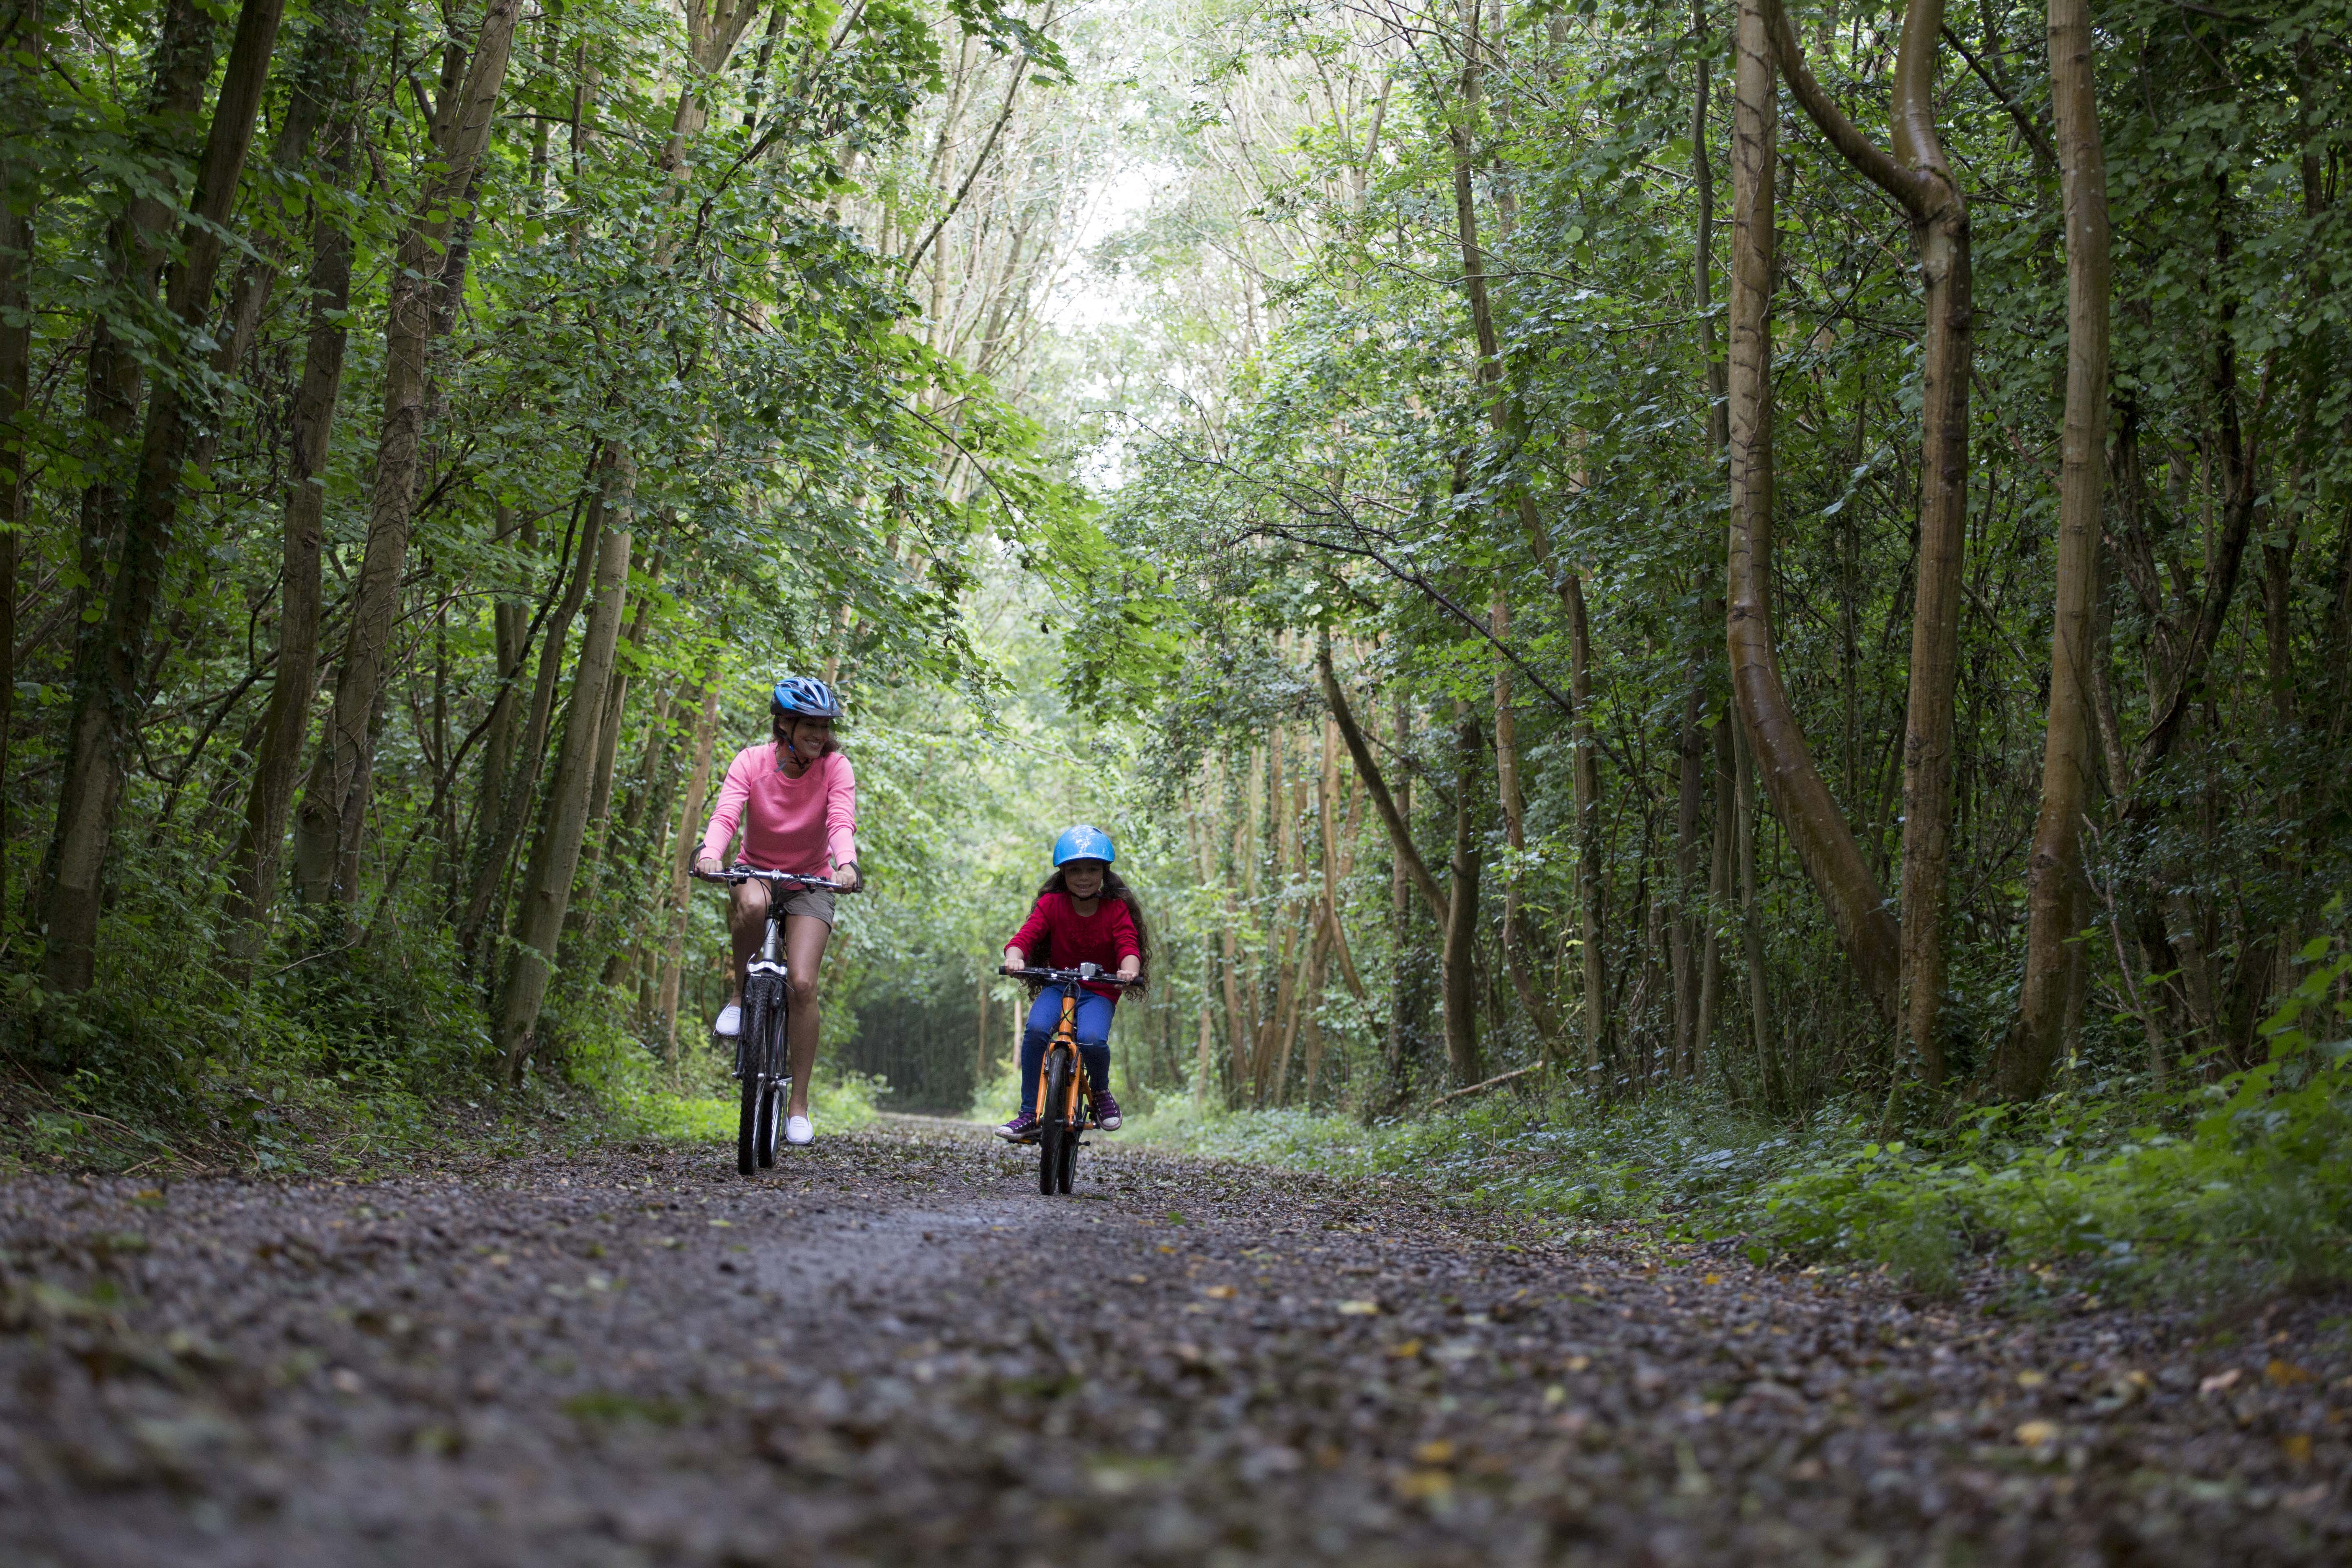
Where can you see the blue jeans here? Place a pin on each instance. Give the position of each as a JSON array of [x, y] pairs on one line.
[[1091, 1027]]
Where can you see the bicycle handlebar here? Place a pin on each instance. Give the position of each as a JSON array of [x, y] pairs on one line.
[[1094, 973], [734, 874]]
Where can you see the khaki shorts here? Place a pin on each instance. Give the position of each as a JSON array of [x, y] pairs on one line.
[[817, 901]]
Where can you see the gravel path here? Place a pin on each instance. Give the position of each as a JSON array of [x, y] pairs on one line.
[[892, 1350]]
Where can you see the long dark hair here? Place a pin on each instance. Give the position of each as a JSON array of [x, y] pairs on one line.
[[1114, 888]]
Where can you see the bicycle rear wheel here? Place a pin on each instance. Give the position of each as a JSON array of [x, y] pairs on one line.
[[1055, 1131]]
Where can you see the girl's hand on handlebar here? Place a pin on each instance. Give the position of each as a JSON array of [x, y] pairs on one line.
[[845, 878], [706, 867]]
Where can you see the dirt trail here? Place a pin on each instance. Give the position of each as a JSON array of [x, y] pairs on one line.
[[892, 1350]]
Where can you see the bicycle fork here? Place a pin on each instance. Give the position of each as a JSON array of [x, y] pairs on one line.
[[1065, 1038], [770, 961]]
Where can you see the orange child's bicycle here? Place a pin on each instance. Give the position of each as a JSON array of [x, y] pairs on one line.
[[1064, 1111]]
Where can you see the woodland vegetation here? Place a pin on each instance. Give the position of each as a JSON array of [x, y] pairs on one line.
[[1762, 555]]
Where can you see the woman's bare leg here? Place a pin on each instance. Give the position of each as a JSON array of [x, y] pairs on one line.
[[747, 922], [804, 939]]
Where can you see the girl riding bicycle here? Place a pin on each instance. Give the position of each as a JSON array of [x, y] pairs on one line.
[[1084, 914], [795, 797]]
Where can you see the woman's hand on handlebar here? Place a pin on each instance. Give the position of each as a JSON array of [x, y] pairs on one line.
[[845, 878], [707, 867]]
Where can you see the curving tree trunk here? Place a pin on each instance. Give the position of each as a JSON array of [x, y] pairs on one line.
[[1817, 829], [1390, 813], [2050, 995], [1915, 174]]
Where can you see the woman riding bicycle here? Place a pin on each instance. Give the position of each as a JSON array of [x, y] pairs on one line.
[[795, 797], [1084, 914]]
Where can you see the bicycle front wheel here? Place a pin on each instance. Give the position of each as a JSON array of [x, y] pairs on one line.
[[747, 1126], [1055, 1131], [772, 1116]]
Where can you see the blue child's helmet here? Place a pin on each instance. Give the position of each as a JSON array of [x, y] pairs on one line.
[[804, 698], [1083, 843]]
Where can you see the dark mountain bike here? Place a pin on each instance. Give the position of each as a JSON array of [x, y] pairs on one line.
[[763, 1062], [1062, 1113]]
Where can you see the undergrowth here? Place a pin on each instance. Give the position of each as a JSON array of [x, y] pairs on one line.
[[356, 1059], [2236, 1184]]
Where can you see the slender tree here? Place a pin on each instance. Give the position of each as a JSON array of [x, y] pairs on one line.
[[2053, 867], [563, 819]]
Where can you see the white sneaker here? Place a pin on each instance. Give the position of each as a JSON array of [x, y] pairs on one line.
[[798, 1130], [730, 1022]]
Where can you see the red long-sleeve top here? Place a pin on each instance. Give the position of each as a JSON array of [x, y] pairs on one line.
[[1056, 936]]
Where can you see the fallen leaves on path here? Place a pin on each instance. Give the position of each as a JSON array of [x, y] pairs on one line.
[[891, 1349]]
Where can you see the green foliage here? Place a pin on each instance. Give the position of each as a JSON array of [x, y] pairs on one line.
[[1563, 1159], [2244, 1183]]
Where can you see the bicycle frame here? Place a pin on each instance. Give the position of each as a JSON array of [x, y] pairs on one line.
[[1065, 1039], [769, 961], [762, 1039]]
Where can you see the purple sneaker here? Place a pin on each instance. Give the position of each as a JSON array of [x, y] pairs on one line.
[[1106, 1110], [1022, 1129]]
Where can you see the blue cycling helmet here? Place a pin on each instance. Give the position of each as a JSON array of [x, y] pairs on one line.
[[805, 698], [1083, 843]]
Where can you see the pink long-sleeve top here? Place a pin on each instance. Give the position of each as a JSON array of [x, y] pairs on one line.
[[789, 824], [1056, 936]]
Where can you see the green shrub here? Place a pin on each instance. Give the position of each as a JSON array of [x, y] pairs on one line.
[[2243, 1183]]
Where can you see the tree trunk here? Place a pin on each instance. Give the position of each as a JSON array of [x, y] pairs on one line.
[[1391, 816], [1590, 884], [1334, 834], [1506, 786], [2053, 869], [1817, 829], [563, 820], [19, 200], [1681, 924], [1915, 176], [253, 874], [1751, 930], [510, 647], [1460, 978], [111, 669], [1718, 887], [135, 254], [324, 77], [334, 803], [690, 833], [478, 921], [609, 724], [1696, 960]]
